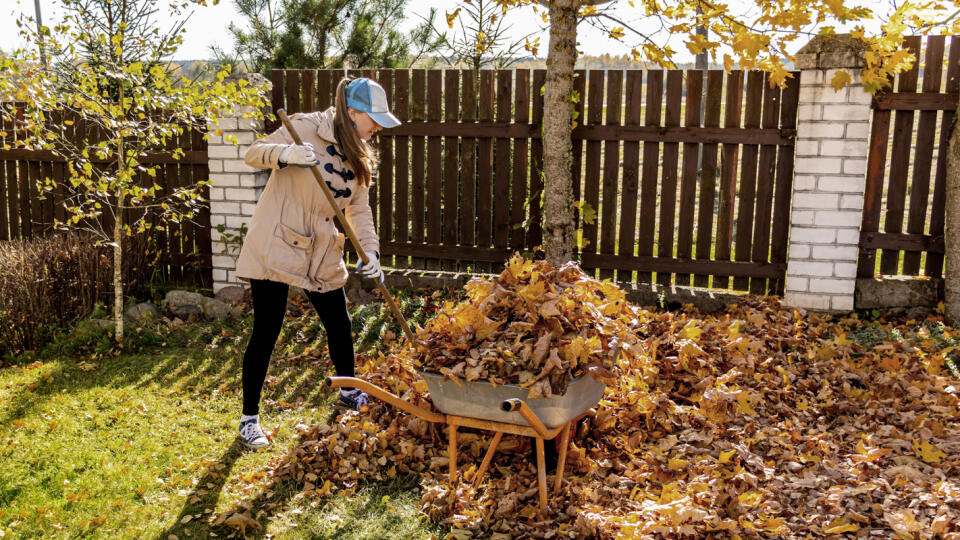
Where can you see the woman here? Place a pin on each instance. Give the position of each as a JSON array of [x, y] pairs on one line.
[[292, 239]]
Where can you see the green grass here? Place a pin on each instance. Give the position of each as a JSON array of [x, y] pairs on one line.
[[100, 443]]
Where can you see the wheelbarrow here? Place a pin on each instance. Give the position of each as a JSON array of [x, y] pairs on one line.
[[502, 409]]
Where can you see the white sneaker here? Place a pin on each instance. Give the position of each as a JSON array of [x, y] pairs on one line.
[[252, 435]]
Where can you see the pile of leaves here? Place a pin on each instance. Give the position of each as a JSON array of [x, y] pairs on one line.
[[534, 326], [752, 421]]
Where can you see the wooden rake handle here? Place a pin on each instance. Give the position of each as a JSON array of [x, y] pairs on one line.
[[347, 228]]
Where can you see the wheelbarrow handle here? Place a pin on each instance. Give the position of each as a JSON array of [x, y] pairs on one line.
[[515, 404], [383, 395]]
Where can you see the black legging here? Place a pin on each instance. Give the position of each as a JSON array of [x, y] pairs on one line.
[[269, 307]]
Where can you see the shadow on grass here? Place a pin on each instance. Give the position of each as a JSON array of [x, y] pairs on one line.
[[202, 501]]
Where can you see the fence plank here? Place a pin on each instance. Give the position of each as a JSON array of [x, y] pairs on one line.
[[789, 100], [308, 89], [520, 148], [485, 168], [934, 263], [203, 240], [434, 164], [7, 180], [923, 152], [501, 178], [59, 169], [173, 248], [293, 91], [900, 161], [535, 237], [451, 165], [385, 174], [23, 176], [873, 190], [611, 169], [631, 172], [729, 156], [401, 105], [325, 87], [576, 178], [417, 192], [658, 134], [766, 176], [651, 164], [688, 186], [748, 175], [708, 174], [468, 161], [35, 175], [188, 227], [591, 178], [276, 99], [668, 190]]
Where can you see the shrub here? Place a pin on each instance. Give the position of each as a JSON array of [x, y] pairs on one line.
[[48, 283]]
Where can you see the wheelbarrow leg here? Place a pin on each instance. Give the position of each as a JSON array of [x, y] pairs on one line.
[[562, 460], [541, 473], [487, 458], [453, 453]]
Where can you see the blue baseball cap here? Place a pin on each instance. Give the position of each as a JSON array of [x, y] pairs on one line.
[[368, 96]]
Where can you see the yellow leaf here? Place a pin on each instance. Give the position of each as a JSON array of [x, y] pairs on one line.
[[725, 456], [451, 17], [676, 464], [750, 498], [840, 525], [669, 493], [743, 403], [690, 331], [927, 451], [840, 79]]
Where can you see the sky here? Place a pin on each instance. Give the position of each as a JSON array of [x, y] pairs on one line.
[[208, 26]]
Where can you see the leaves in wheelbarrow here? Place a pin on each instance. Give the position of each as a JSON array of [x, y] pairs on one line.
[[534, 325], [754, 421]]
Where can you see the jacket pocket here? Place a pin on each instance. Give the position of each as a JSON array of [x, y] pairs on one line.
[[331, 265], [290, 251]]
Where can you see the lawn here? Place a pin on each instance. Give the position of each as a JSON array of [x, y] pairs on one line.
[[98, 442], [754, 420]]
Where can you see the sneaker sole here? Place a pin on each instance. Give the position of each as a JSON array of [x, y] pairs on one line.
[[253, 446]]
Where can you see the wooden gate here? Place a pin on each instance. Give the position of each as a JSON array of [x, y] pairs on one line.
[[911, 240], [705, 201]]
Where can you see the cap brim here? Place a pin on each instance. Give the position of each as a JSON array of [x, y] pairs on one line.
[[386, 120]]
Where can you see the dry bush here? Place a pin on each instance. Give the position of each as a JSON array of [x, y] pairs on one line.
[[48, 283]]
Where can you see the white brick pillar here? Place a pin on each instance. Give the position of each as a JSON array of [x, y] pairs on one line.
[[236, 187], [829, 177]]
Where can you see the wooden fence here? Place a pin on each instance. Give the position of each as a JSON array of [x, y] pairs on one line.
[[911, 240], [705, 201], [184, 248]]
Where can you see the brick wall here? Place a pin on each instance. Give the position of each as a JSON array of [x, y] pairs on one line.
[[831, 158], [235, 191]]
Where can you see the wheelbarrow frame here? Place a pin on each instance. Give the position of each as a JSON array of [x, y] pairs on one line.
[[535, 429]]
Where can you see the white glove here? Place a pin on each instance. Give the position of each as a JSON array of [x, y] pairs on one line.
[[301, 155], [371, 270]]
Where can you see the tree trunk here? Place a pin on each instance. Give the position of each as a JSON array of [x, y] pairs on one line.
[[951, 235], [557, 143], [117, 271]]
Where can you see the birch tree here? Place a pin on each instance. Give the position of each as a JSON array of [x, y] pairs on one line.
[[107, 72]]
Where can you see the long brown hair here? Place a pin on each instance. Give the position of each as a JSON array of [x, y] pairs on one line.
[[360, 154]]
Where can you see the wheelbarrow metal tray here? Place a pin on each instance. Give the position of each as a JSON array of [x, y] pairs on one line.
[[482, 400]]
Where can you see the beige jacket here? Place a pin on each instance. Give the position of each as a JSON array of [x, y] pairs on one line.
[[292, 237]]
